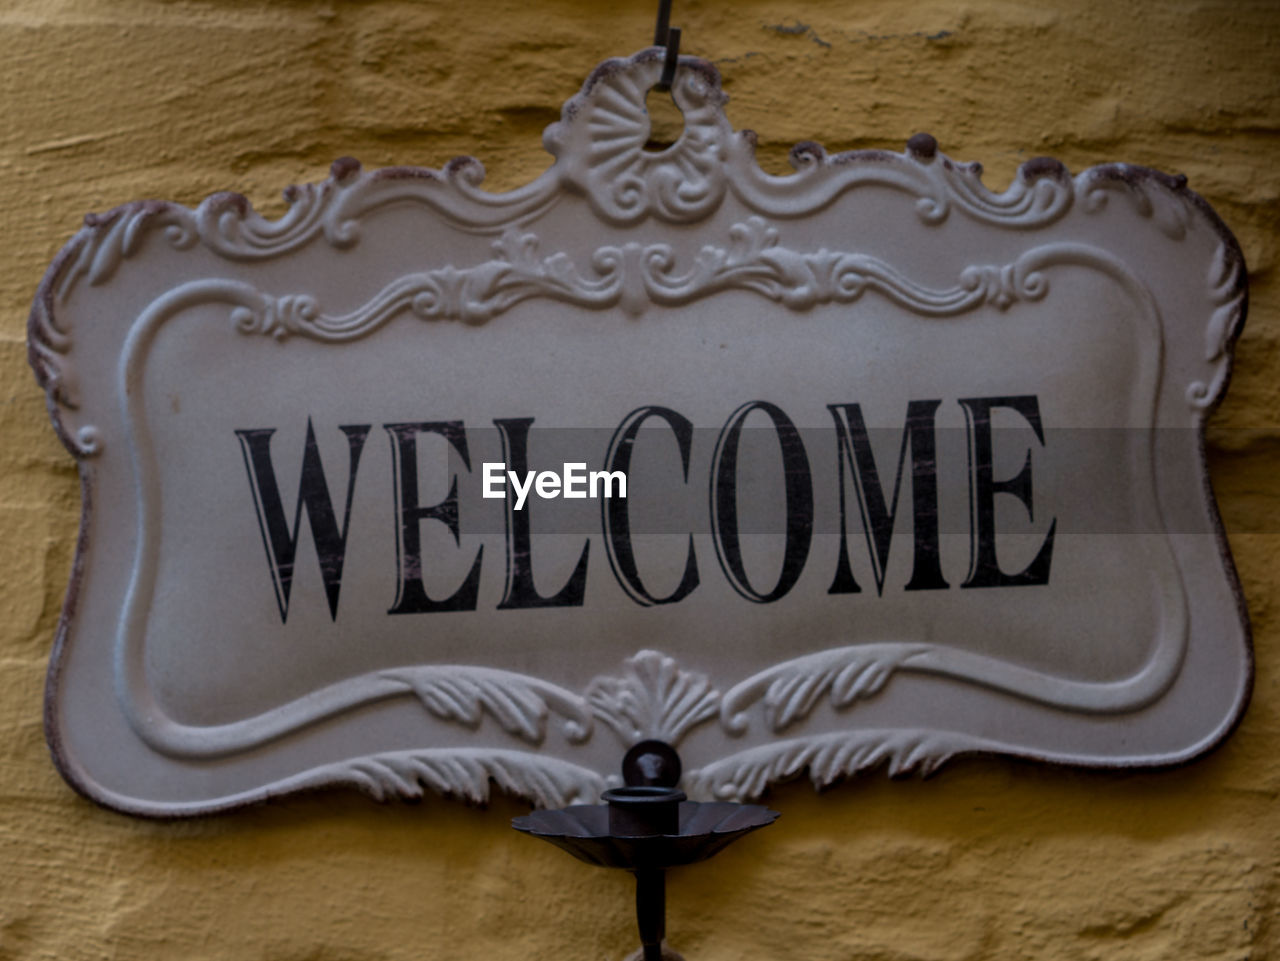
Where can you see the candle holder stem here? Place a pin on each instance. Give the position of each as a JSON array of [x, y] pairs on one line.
[[651, 911]]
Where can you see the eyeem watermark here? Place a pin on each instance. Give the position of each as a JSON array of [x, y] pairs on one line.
[[573, 483]]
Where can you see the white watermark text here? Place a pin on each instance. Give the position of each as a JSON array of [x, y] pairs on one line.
[[574, 482]]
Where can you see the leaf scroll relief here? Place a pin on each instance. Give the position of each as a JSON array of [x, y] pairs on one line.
[[520, 704], [465, 773], [829, 758], [1226, 280], [791, 690]]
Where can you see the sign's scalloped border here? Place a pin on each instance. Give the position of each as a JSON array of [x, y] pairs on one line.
[[599, 149]]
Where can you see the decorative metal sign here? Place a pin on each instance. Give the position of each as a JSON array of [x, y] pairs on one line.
[[422, 486]]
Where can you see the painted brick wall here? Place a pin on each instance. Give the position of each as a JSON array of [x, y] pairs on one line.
[[104, 102]]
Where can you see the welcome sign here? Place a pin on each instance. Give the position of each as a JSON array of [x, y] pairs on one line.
[[427, 487]]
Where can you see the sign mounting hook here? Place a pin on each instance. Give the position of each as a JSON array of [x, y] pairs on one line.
[[667, 36]]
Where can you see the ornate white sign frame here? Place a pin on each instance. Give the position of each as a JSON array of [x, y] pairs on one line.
[[614, 231]]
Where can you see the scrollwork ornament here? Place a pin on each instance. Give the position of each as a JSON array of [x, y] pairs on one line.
[[791, 690], [599, 143], [654, 698], [1228, 294], [463, 773], [519, 704], [827, 759], [1155, 196], [635, 276]]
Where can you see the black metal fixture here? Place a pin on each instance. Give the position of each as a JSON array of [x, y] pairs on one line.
[[646, 828], [665, 35]]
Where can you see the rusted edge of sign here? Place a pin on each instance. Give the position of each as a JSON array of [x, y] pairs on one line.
[[1041, 193]]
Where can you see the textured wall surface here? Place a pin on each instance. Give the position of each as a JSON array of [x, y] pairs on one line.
[[104, 102]]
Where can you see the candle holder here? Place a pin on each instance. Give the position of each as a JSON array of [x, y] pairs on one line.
[[646, 828]]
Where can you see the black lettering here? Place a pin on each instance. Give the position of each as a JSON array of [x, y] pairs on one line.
[[724, 502], [279, 539], [520, 592], [617, 518], [411, 595], [854, 446], [984, 569]]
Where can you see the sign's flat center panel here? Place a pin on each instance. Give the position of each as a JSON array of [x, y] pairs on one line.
[[876, 358]]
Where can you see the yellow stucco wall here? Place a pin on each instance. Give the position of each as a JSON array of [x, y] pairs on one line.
[[102, 102]]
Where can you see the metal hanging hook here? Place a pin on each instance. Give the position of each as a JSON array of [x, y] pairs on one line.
[[665, 35], [663, 25]]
